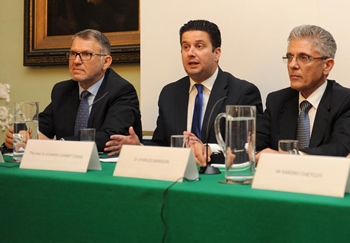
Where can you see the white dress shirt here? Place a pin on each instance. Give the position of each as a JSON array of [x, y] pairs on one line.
[[207, 87]]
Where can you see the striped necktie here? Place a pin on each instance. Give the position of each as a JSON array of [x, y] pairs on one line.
[[82, 118], [303, 131], [197, 113]]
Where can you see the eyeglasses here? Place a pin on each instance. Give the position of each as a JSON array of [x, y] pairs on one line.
[[84, 56], [301, 58]]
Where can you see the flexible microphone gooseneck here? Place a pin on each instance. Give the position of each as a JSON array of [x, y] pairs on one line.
[[95, 101], [208, 169]]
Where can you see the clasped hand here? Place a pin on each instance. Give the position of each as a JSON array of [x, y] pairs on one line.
[[26, 134]]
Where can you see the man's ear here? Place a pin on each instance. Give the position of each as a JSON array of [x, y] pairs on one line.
[[107, 61], [329, 63], [217, 53]]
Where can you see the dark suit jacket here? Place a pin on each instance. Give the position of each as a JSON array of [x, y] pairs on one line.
[[113, 114], [331, 130], [173, 105]]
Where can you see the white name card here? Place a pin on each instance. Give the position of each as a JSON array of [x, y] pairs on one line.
[[156, 163], [320, 175], [77, 156]]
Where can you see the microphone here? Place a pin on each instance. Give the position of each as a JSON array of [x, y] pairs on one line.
[[208, 169], [95, 101]]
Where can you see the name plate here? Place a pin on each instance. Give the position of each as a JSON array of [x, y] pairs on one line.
[[319, 175], [77, 156], [156, 163]]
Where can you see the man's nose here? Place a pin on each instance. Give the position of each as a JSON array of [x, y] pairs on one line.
[[77, 59], [294, 63], [191, 51]]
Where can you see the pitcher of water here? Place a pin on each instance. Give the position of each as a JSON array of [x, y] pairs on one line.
[[25, 127], [239, 148]]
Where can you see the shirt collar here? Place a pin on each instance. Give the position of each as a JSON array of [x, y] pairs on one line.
[[93, 89], [316, 96], [208, 83]]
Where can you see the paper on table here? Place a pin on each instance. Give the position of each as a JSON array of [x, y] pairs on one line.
[[109, 159]]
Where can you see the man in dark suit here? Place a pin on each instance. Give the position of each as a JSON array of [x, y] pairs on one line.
[[310, 58], [174, 98], [200, 49], [112, 103]]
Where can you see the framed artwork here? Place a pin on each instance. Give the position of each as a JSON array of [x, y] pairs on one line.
[[50, 24]]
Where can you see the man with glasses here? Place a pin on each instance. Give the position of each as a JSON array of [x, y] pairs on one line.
[[313, 110], [95, 97]]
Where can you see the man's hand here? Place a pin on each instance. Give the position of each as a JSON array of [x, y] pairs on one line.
[[199, 149], [22, 139], [230, 158], [9, 139], [117, 141], [24, 133], [42, 136], [267, 150]]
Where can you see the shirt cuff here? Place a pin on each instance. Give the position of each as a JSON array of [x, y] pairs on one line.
[[215, 148]]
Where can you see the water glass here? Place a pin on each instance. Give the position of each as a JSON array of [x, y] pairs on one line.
[[180, 141], [288, 146], [87, 134]]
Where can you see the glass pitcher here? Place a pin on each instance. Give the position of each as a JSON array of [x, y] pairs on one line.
[[239, 145]]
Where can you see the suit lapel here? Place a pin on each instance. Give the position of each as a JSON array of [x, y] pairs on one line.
[[218, 92], [71, 112], [181, 106], [321, 119], [101, 103], [288, 119], [98, 105]]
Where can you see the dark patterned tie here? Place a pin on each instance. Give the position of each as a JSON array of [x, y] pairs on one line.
[[83, 113], [303, 132], [197, 113]]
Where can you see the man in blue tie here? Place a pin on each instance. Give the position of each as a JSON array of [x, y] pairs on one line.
[[185, 105], [94, 97], [313, 110]]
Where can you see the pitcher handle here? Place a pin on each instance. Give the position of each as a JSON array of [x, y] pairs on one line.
[[218, 136]]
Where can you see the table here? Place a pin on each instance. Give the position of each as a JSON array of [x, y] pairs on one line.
[[52, 206]]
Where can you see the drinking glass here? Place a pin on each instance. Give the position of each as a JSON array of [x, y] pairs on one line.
[[288, 146], [87, 134], [180, 141]]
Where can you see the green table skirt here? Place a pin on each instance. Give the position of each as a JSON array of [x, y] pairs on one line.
[[51, 206]]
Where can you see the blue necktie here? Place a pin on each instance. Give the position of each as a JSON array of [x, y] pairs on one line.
[[303, 132], [82, 118], [197, 113]]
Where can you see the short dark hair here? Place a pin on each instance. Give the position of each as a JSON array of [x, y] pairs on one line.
[[203, 25], [89, 34]]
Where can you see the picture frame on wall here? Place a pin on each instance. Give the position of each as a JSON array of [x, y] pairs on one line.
[[50, 24]]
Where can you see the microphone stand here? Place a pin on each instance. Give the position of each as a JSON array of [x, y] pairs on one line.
[[208, 169]]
